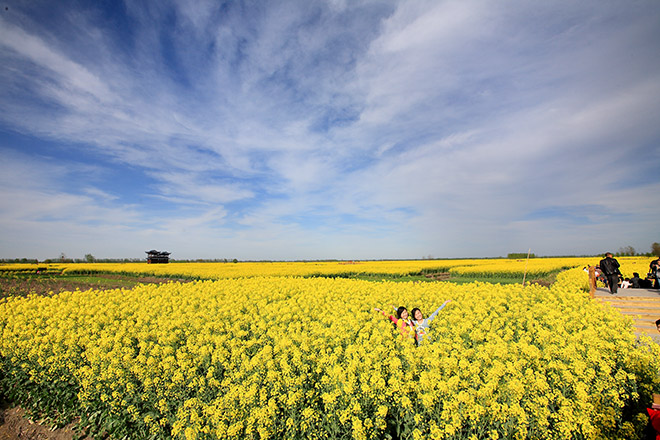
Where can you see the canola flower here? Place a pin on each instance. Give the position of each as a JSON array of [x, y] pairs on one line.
[[629, 265], [289, 357], [478, 267]]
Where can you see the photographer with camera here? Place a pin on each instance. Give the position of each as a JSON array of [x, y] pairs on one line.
[[610, 268]]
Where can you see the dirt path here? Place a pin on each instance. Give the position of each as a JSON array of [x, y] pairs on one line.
[[14, 425], [48, 285]]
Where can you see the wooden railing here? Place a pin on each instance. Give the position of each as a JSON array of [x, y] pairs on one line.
[[592, 281]]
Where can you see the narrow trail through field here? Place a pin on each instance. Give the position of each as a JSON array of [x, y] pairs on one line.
[[14, 425], [642, 305]]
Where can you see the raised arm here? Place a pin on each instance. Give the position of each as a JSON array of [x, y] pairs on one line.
[[391, 318], [434, 314]]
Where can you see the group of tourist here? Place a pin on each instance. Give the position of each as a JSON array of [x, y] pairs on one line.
[[608, 272], [412, 325]]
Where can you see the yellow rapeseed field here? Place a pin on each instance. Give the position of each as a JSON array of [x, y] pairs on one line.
[[256, 357], [480, 267]]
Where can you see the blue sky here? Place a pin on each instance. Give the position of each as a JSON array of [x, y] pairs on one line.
[[328, 129]]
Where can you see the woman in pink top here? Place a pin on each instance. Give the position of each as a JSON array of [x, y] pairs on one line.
[[402, 322]]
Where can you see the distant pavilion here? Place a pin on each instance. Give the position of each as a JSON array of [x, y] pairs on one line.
[[157, 257]]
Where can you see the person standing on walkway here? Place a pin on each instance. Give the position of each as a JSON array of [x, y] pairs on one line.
[[655, 271], [610, 268]]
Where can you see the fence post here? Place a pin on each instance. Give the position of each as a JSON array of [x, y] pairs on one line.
[[592, 281]]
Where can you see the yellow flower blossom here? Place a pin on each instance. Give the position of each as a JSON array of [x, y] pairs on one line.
[[242, 355]]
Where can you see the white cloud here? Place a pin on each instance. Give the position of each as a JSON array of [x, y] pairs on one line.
[[193, 188], [336, 129], [73, 81]]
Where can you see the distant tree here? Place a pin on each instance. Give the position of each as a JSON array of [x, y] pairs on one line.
[[627, 250], [655, 249], [519, 255], [234, 260], [90, 258]]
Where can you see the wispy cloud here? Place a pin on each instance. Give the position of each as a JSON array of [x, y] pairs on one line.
[[329, 129]]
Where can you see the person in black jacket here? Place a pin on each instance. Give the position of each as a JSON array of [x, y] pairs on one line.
[[610, 268], [635, 280], [655, 271]]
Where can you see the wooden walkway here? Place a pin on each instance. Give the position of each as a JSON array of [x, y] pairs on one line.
[[642, 305]]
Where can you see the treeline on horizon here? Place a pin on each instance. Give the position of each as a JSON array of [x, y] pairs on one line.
[[627, 251], [514, 256]]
